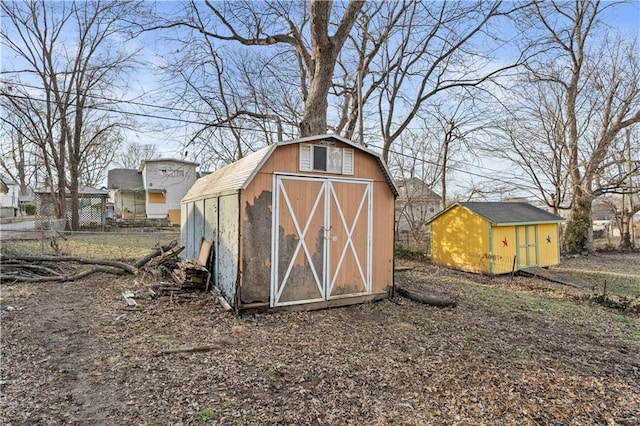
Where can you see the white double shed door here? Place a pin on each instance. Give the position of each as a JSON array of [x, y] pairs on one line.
[[322, 239]]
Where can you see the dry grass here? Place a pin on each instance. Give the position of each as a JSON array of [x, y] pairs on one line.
[[115, 246]]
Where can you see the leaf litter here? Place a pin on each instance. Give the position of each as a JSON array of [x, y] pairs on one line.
[[514, 351]]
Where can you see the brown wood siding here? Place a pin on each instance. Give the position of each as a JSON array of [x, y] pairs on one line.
[[383, 241]]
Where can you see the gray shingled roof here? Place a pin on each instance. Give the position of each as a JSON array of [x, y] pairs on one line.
[[83, 191], [124, 179], [506, 213], [238, 175], [230, 178]]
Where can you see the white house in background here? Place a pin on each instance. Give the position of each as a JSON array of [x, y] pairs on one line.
[[166, 181], [9, 197], [415, 204], [127, 193]]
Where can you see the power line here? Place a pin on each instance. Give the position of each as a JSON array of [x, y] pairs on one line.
[[107, 99], [138, 114], [529, 187], [229, 126]]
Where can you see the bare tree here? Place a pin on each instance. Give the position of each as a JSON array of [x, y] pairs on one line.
[[433, 54], [135, 153], [414, 166], [377, 23], [236, 98], [71, 55], [304, 30], [17, 158], [534, 138], [592, 88], [624, 200], [100, 148]]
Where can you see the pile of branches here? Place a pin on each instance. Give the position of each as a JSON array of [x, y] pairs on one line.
[[163, 259], [44, 268]]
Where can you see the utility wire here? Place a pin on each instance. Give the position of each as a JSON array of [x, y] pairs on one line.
[[229, 126]]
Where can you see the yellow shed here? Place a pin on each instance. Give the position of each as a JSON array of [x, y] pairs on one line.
[[306, 223], [495, 237]]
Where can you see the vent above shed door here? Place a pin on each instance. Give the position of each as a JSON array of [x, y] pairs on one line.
[[347, 161], [305, 158]]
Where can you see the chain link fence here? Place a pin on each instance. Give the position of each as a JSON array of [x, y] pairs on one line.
[[49, 237]]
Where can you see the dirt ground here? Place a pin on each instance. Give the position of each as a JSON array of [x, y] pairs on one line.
[[514, 351]]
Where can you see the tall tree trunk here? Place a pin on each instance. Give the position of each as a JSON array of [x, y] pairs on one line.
[[314, 115], [59, 194], [75, 202], [578, 231], [324, 53], [625, 231]]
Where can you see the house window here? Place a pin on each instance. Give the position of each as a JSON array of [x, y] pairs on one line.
[[170, 172], [321, 158], [157, 198]]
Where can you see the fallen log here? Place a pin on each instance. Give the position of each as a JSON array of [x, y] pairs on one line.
[[62, 278], [189, 349], [46, 258], [426, 298], [154, 253]]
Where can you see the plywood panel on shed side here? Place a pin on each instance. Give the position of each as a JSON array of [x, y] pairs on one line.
[[549, 244], [504, 249], [211, 220], [256, 240], [383, 240], [184, 225], [198, 227], [228, 249]]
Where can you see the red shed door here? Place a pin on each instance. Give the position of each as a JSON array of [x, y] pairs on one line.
[[322, 239]]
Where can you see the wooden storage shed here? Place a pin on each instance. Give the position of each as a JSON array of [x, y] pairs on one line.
[[495, 238], [305, 222]]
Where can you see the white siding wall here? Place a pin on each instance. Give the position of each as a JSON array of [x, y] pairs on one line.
[[174, 177], [9, 201]]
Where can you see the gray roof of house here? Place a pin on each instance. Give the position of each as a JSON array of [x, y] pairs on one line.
[[500, 213], [83, 191], [124, 179], [143, 163], [416, 188]]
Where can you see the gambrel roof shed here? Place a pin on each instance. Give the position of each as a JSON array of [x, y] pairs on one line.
[[292, 224], [495, 237]]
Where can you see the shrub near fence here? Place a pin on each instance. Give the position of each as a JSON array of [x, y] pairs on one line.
[[411, 246]]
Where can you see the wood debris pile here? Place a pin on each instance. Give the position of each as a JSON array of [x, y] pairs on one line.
[[187, 276], [172, 278], [192, 275], [165, 261], [162, 262], [172, 291]]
